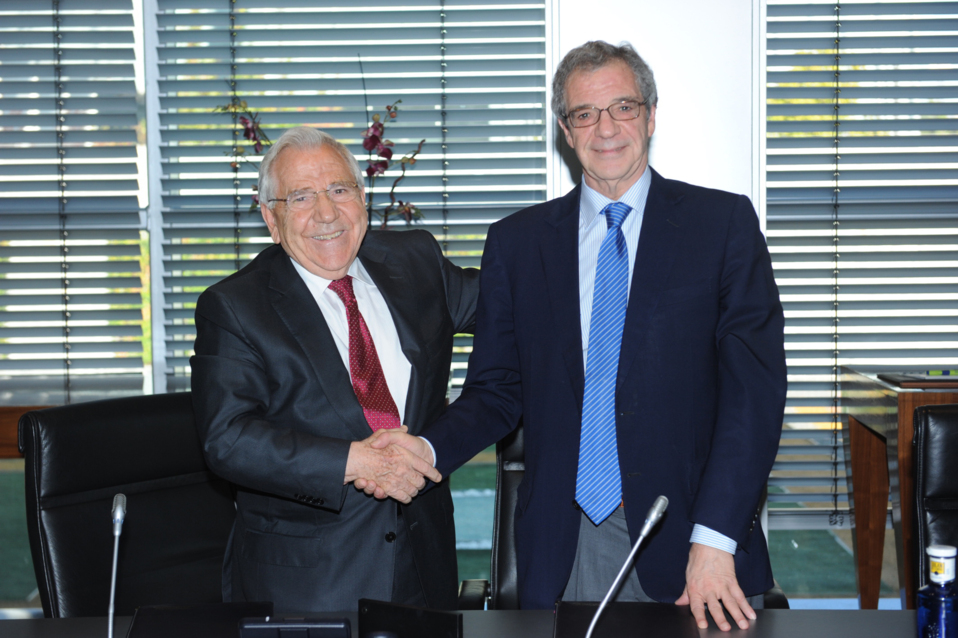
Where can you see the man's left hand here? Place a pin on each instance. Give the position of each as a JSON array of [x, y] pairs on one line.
[[710, 580], [400, 437]]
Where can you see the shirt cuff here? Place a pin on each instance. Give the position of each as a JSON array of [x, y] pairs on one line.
[[706, 536], [433, 450]]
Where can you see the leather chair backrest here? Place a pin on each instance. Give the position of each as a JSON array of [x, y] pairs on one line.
[[179, 516], [936, 480], [510, 467]]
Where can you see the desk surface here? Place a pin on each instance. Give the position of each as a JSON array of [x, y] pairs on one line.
[[658, 620]]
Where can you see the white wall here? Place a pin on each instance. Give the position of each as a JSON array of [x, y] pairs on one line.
[[705, 55]]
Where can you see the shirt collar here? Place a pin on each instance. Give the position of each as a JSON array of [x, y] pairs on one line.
[[356, 270], [591, 202]]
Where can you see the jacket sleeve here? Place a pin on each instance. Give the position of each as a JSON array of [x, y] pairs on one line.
[[751, 382], [491, 402], [461, 288], [231, 399]]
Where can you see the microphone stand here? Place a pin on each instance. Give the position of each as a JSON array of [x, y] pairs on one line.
[[655, 513], [116, 550], [119, 513]]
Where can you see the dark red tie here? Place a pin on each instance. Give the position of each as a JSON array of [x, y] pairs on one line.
[[369, 382]]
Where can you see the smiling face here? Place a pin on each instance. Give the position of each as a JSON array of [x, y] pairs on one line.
[[326, 238], [613, 153]]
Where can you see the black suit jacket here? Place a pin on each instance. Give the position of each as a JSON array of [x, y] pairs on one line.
[[700, 390], [277, 413]]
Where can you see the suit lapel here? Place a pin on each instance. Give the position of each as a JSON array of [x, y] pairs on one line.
[[395, 285], [303, 318], [559, 250], [658, 244]]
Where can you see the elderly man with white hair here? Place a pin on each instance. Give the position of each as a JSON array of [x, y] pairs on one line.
[[325, 338]]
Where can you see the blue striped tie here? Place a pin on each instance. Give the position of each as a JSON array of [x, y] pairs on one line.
[[598, 489]]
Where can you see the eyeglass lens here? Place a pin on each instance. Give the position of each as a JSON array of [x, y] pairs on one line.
[[339, 193], [589, 115]]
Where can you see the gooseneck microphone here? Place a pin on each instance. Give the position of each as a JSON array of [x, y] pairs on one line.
[[653, 517], [119, 513]]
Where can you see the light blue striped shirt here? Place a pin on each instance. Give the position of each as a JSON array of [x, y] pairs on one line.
[[592, 230]]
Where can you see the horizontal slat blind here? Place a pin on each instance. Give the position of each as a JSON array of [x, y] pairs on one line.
[[73, 253], [896, 171], [471, 78]]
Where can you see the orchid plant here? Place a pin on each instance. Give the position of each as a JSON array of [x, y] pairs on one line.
[[373, 142], [252, 132]]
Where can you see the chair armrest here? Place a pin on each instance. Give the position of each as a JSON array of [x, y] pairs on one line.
[[775, 597], [473, 593]]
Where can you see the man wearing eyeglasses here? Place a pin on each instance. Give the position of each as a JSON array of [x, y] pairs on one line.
[[635, 327], [330, 335]]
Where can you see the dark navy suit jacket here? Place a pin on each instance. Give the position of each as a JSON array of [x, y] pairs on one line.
[[699, 397]]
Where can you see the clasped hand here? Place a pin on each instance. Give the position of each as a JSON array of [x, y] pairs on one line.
[[391, 463]]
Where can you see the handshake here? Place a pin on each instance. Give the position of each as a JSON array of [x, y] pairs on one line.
[[391, 463]]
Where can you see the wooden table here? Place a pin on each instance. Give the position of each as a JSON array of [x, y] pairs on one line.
[[877, 427]]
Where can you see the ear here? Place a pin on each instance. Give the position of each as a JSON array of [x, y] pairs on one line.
[[271, 222], [567, 131], [651, 122]]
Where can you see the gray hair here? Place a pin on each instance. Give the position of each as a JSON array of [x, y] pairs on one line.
[[300, 138], [591, 56]]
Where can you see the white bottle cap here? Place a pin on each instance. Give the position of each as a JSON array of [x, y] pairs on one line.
[[941, 563], [941, 551]]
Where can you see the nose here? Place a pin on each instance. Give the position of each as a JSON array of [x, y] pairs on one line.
[[606, 126], [324, 211]]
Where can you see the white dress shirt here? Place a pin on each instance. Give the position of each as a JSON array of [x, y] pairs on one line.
[[372, 306], [592, 230]]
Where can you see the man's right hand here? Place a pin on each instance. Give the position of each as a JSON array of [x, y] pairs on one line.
[[381, 466], [396, 437]]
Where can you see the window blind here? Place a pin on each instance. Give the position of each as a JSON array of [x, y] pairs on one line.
[[74, 291], [861, 130], [471, 78]]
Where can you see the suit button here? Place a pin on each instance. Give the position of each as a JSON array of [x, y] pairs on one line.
[[390, 537], [576, 506]]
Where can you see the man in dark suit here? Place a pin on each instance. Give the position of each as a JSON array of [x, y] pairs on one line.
[[331, 334], [635, 327]]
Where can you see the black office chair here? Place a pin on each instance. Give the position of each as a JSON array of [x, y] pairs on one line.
[[501, 591], [936, 480], [178, 518]]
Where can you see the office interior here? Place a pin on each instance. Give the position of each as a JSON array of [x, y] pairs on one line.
[[838, 120]]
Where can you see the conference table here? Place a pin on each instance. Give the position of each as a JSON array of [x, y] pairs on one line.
[[645, 620]]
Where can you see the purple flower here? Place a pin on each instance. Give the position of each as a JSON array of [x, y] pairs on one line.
[[407, 210], [377, 168], [249, 131], [376, 129], [371, 142]]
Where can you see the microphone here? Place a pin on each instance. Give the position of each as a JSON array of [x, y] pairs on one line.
[[119, 514], [651, 519]]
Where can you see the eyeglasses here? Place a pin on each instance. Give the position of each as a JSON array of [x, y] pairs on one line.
[[298, 201], [589, 115]]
